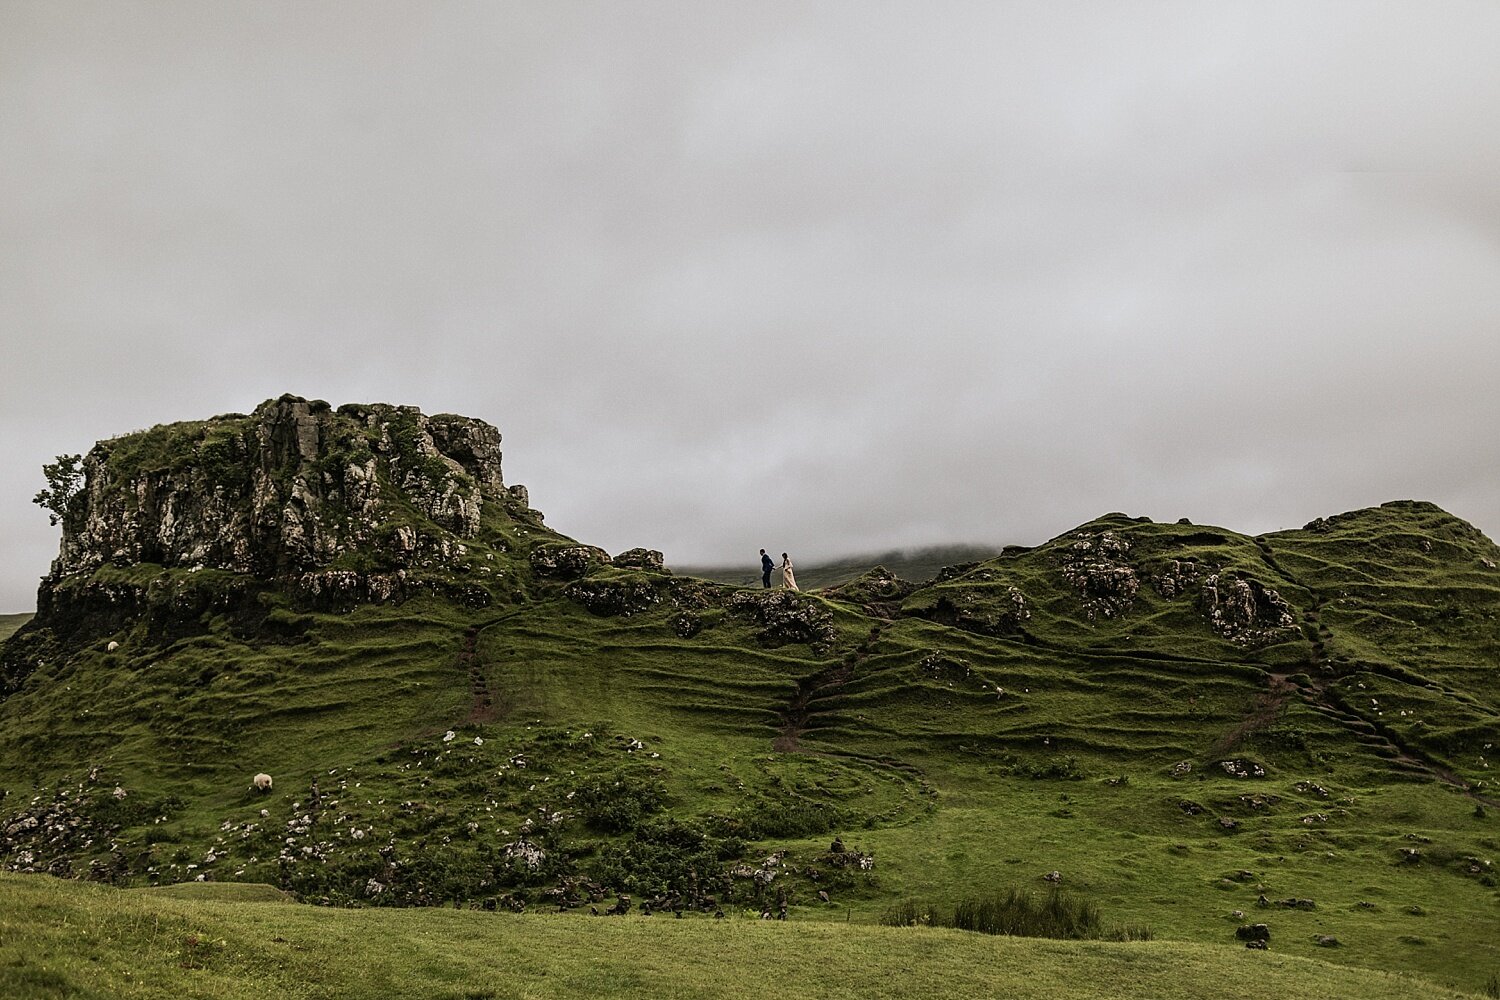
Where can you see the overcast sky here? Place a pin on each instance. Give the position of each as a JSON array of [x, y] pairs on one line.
[[823, 278]]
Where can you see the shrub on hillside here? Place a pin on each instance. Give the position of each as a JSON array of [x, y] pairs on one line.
[[1018, 913], [618, 802], [766, 818], [667, 857]]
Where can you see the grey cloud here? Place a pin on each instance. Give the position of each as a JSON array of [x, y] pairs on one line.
[[821, 277]]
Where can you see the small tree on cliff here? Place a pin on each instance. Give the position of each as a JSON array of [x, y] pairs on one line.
[[64, 486]]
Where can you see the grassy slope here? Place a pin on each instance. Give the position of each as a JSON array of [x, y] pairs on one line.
[[68, 940], [9, 624], [949, 783]]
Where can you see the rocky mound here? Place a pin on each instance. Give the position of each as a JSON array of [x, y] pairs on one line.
[[292, 487]]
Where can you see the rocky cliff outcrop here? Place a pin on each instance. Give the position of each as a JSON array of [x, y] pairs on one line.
[[286, 490], [1095, 564]]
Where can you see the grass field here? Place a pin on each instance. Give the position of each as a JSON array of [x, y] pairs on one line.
[[60, 939]]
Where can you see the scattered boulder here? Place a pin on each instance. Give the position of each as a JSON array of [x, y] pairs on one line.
[[686, 624], [568, 562], [1258, 803], [1327, 941], [839, 856], [1253, 932], [638, 558], [1240, 767]]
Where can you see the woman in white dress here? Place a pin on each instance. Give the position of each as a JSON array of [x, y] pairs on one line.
[[788, 578]]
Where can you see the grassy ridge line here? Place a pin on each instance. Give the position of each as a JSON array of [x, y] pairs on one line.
[[10, 623], [916, 565], [64, 939]]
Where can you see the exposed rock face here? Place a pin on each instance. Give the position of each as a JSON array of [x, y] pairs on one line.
[[567, 562], [784, 617], [1096, 566], [610, 598], [1244, 611], [1176, 577], [284, 491]]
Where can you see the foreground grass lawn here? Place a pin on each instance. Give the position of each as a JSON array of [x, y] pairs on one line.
[[67, 939]]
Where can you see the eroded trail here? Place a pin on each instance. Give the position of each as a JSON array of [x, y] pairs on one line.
[[1383, 742], [1321, 694], [811, 689], [481, 705], [1269, 706]]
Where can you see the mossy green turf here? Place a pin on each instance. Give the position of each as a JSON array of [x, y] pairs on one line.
[[69, 940], [961, 762]]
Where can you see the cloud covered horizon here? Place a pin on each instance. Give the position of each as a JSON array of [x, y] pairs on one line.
[[830, 279]]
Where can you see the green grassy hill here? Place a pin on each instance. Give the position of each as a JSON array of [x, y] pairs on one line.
[[10, 623], [67, 940], [1192, 728]]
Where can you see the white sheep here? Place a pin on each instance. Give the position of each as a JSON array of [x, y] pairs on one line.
[[112, 647], [262, 782]]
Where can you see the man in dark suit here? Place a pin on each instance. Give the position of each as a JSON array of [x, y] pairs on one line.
[[766, 565]]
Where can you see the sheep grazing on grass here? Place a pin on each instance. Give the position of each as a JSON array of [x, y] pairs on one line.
[[262, 782], [112, 647]]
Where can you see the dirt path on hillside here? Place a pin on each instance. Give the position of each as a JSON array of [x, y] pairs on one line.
[[800, 711], [1269, 706]]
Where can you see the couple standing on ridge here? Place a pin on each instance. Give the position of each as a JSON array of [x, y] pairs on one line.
[[788, 578]]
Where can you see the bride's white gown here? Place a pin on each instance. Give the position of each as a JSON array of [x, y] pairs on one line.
[[788, 578]]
